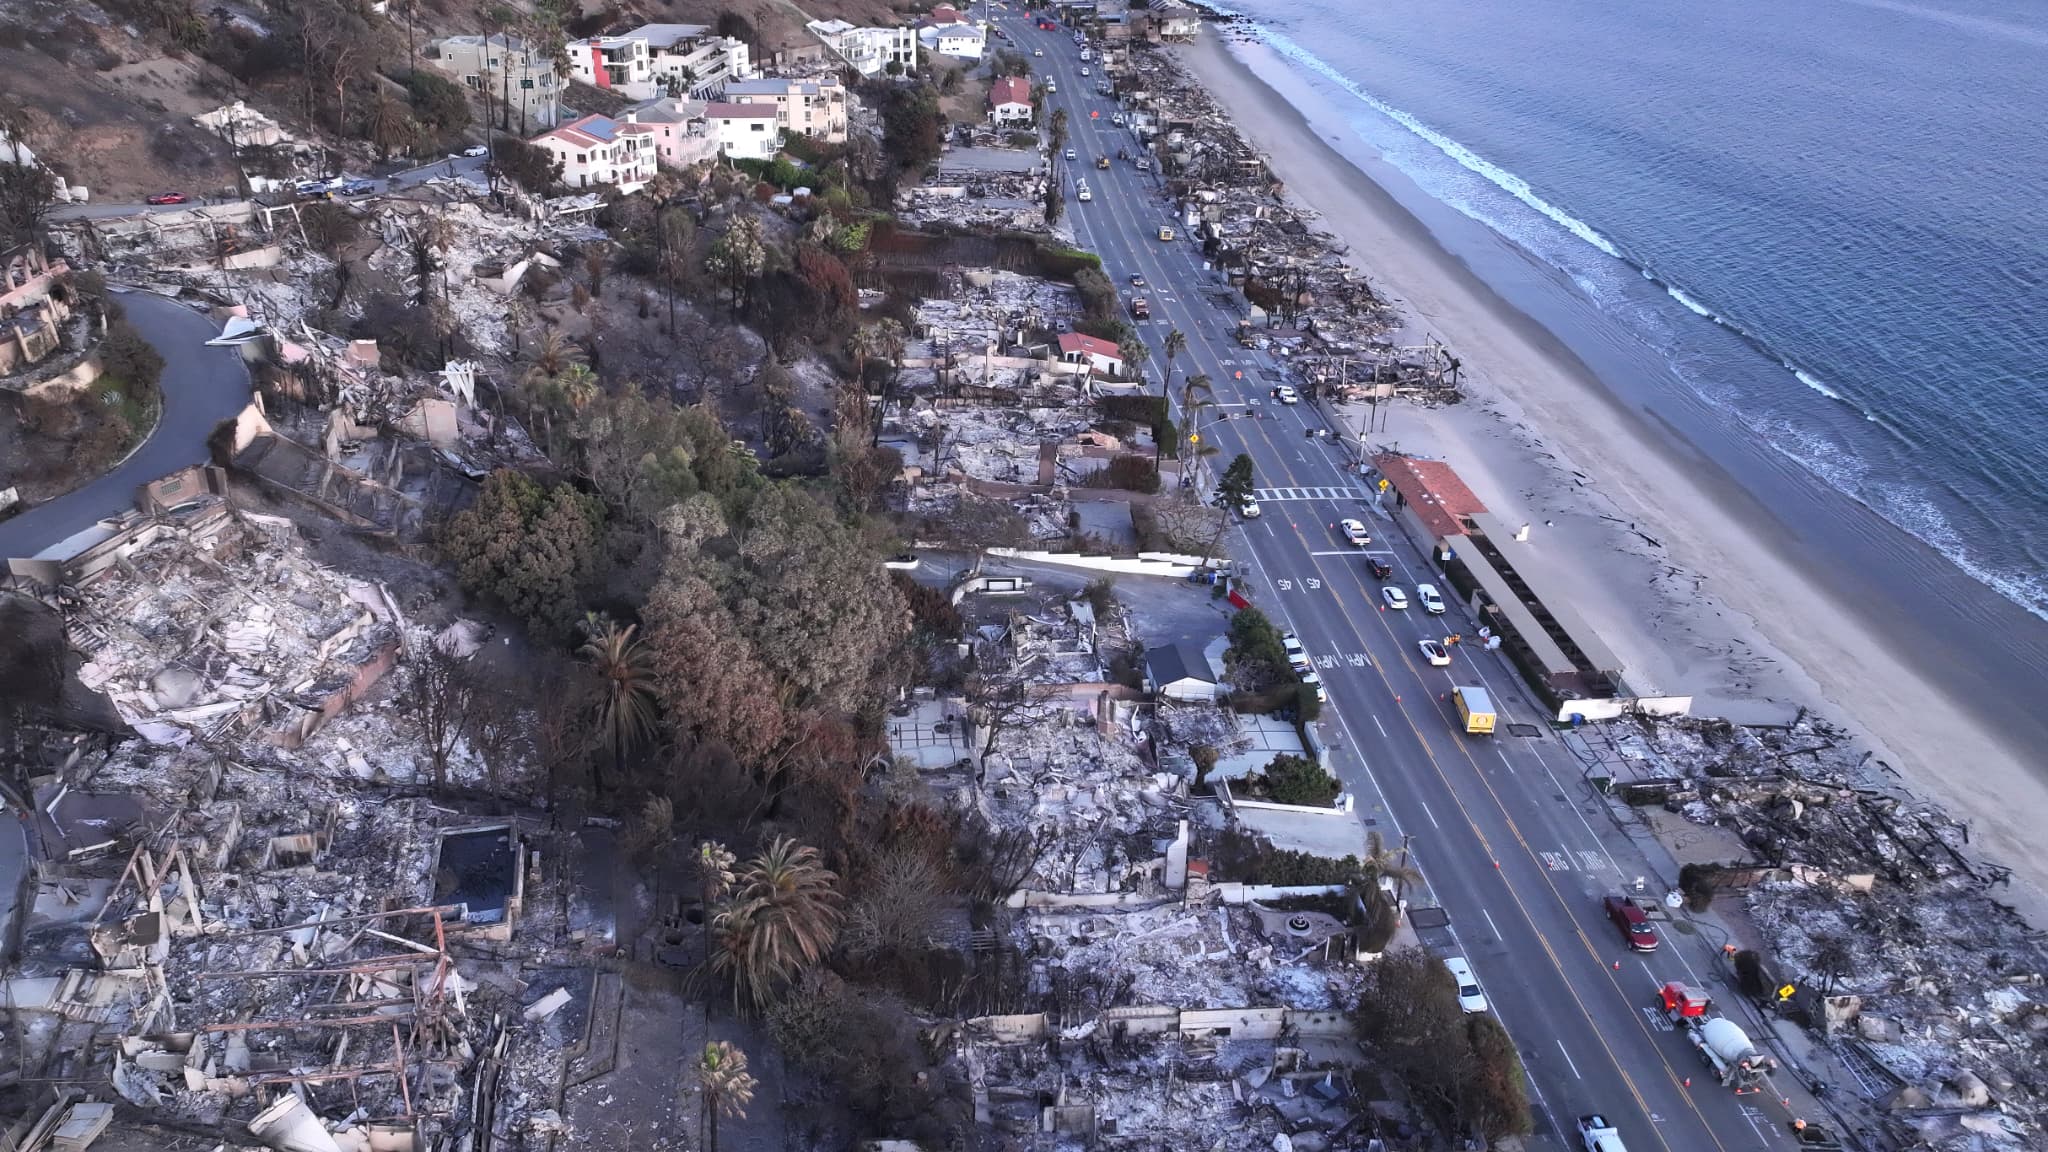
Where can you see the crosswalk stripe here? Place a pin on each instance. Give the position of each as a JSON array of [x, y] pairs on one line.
[[1326, 493]]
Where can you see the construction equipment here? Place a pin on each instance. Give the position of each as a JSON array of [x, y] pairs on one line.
[[1721, 1042], [1102, 162]]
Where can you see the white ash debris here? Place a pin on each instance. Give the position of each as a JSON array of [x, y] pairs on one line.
[[1001, 444], [984, 307]]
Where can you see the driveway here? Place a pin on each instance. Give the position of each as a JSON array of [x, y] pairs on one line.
[[201, 387]]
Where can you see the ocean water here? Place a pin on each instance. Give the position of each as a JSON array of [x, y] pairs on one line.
[[1841, 208]]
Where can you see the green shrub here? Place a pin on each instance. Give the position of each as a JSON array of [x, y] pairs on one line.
[[1299, 780]]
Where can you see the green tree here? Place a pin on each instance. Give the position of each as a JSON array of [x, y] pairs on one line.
[[1237, 484], [781, 919], [528, 165], [913, 127], [1176, 343], [1134, 353], [627, 708], [536, 550], [724, 1086], [1255, 653], [389, 126], [1059, 129], [1298, 780], [440, 105]]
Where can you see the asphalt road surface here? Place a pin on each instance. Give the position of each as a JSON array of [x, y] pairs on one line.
[[201, 387], [1516, 847], [411, 177]]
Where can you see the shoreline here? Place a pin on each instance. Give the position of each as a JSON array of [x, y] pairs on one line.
[[1709, 602]]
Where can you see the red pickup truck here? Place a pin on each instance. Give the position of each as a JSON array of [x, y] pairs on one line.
[[1633, 923]]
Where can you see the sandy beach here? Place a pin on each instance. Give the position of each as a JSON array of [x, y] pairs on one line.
[[1696, 587]]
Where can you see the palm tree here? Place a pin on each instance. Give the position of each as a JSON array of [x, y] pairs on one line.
[[626, 702], [725, 1088], [579, 386], [1134, 354], [1176, 343], [1196, 393], [1383, 863], [1059, 129], [783, 918], [889, 344], [714, 879]]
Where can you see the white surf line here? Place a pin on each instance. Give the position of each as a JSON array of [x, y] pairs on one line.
[[1568, 1060]]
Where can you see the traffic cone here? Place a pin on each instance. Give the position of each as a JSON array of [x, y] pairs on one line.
[[1688, 1081], [1617, 965]]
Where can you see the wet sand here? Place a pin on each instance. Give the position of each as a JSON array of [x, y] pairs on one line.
[[1699, 589]]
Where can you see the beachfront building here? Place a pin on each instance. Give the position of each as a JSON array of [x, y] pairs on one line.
[[598, 151], [870, 51], [682, 133], [1174, 20], [1100, 355], [744, 131], [947, 33], [619, 64], [524, 89], [687, 60], [1009, 101], [814, 108]]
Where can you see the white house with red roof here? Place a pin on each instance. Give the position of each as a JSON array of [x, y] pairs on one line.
[[1009, 100], [1100, 355], [948, 33], [745, 131], [598, 151]]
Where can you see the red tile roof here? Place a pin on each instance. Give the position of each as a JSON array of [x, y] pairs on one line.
[[946, 14], [1436, 494], [1073, 342], [1009, 90]]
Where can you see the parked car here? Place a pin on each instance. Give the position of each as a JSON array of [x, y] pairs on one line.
[[1470, 998], [1070, 153], [1381, 570], [477, 150], [358, 187], [1315, 683], [1297, 656], [1038, 51], [1249, 509], [1437, 655], [168, 198], [1633, 923], [1394, 597], [1354, 531], [315, 188], [1286, 394], [1085, 72], [1432, 600]]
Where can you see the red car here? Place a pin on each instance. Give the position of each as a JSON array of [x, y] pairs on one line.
[[1634, 925], [168, 198]]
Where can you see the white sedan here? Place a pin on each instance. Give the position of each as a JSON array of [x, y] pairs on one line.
[[1286, 394], [1470, 998], [1315, 682], [1394, 597], [1038, 51], [1434, 652], [1084, 71], [1249, 509], [1297, 656]]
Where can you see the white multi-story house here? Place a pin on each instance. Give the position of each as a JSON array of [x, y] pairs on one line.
[[869, 51], [688, 60], [619, 64], [1009, 100], [597, 151], [948, 33], [815, 108], [682, 134], [744, 131], [519, 77]]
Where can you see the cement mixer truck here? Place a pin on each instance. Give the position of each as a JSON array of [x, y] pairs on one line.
[[1721, 1042]]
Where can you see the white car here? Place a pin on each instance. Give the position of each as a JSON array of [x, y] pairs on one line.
[[1434, 652], [1084, 71], [1470, 998], [1070, 153], [1038, 51], [1297, 656], [1432, 600], [476, 150], [1249, 509], [1354, 531], [1394, 597], [1316, 682], [1083, 194], [1286, 394]]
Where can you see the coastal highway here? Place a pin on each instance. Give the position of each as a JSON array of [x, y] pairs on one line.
[[1514, 845]]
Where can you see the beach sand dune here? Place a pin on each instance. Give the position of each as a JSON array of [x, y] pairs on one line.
[[1689, 580]]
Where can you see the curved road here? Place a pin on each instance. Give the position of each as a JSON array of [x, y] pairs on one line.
[[201, 386]]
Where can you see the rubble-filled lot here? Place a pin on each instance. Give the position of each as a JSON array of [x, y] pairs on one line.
[[1930, 989]]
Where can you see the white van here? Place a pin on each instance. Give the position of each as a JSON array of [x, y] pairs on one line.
[[1432, 600]]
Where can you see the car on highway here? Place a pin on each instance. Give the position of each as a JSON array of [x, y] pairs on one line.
[[1070, 153], [476, 150], [167, 198], [1633, 923], [1085, 72], [1082, 194], [1249, 509], [1394, 597], [1297, 656], [1137, 280], [358, 187], [1315, 684], [1432, 600], [1470, 998], [1038, 51], [1354, 531], [1381, 570], [1434, 652], [1286, 394]]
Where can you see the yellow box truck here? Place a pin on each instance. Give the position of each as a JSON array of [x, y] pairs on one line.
[[1475, 707]]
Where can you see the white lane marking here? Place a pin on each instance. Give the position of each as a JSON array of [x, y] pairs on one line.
[[1504, 759], [1340, 552], [1490, 924], [1431, 815], [1568, 1060], [1382, 727]]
